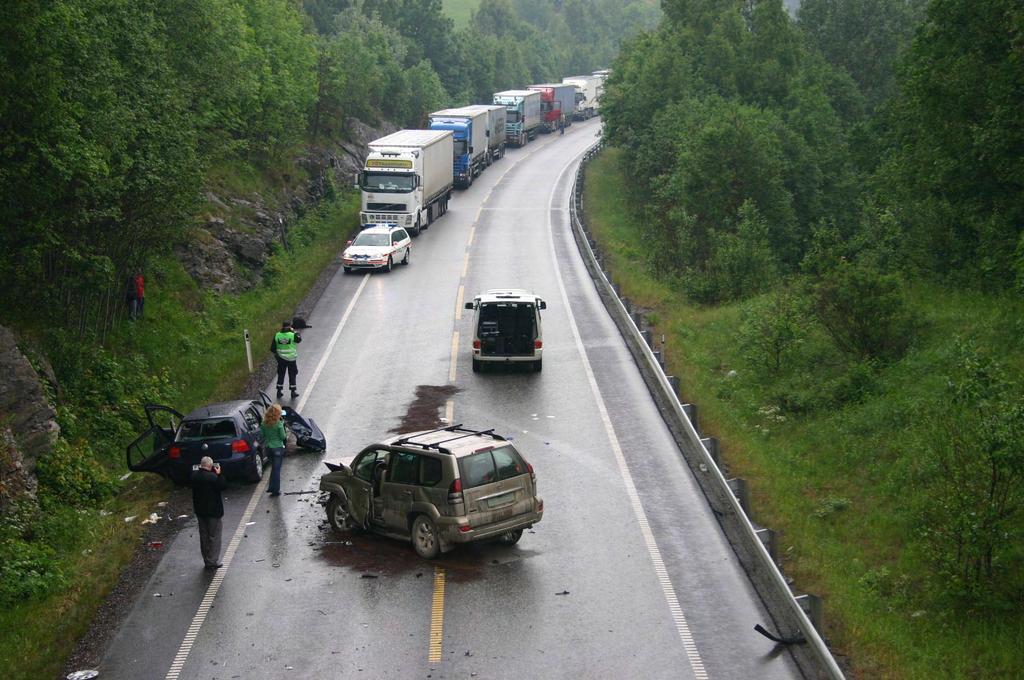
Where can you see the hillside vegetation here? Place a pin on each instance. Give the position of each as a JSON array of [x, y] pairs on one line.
[[829, 211], [122, 127]]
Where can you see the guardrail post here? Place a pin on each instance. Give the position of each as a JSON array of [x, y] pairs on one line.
[[638, 319], [691, 412], [711, 444], [738, 486], [767, 537], [813, 607], [647, 337], [659, 357], [676, 386]]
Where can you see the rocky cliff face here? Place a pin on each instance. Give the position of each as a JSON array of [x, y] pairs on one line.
[[228, 252], [28, 423]]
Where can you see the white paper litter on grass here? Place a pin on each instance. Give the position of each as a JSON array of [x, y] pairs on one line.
[[152, 519], [125, 476], [129, 519]]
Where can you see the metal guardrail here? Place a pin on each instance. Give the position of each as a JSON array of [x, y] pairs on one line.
[[814, 657]]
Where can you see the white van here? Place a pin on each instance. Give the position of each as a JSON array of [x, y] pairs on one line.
[[507, 328]]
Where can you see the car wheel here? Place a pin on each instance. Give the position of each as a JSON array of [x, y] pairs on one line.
[[538, 365], [256, 468], [347, 270], [424, 538], [510, 537], [476, 365], [337, 513], [389, 265], [405, 260]]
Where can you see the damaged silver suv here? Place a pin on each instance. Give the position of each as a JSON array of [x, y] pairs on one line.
[[436, 488]]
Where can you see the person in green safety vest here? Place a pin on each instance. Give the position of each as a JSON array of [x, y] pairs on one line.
[[283, 346]]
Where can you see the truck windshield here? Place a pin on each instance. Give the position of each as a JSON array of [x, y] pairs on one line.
[[386, 182], [513, 116], [460, 147]]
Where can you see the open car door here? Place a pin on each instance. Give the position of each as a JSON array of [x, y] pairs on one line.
[[150, 450], [307, 433]]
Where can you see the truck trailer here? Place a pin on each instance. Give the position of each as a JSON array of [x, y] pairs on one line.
[[469, 130], [496, 121], [523, 110], [557, 103], [586, 95], [407, 179]]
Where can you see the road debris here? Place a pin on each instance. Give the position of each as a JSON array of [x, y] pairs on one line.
[[155, 545], [564, 592], [367, 576], [152, 519], [84, 675]]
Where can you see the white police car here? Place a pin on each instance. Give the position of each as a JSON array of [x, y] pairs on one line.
[[377, 247]]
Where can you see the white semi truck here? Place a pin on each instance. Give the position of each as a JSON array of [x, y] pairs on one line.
[[496, 117], [407, 179], [586, 95]]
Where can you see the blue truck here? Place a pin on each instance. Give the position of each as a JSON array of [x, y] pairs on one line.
[[469, 130]]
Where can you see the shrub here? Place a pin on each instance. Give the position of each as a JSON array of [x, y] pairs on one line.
[[864, 311], [73, 475], [970, 463], [773, 331], [27, 569]]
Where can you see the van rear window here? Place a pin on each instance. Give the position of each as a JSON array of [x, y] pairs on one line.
[[198, 430], [491, 466]]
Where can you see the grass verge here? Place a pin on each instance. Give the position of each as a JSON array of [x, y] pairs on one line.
[[832, 480]]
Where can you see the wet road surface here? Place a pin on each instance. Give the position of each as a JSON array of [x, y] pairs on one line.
[[628, 576]]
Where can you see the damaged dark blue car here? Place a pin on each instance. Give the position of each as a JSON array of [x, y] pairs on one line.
[[228, 432]]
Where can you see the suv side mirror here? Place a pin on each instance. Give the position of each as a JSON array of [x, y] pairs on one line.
[[349, 242], [543, 305], [469, 305]]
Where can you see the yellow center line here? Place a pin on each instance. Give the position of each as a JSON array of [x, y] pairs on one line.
[[458, 302], [455, 356], [465, 266], [437, 617], [472, 232]]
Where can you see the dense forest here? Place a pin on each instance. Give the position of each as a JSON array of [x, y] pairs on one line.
[[117, 119], [843, 190], [114, 112]]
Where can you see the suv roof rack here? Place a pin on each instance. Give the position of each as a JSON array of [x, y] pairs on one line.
[[453, 429]]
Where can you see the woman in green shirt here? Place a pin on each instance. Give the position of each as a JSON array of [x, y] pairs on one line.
[[274, 439]]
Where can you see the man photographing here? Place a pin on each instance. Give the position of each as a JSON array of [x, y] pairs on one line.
[[207, 483], [283, 346]]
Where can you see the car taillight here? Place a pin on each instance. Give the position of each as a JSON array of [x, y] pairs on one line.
[[533, 477], [476, 344], [240, 446], [455, 492], [537, 344], [465, 528], [175, 452]]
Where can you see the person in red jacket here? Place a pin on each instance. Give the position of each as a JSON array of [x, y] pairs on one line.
[[140, 294]]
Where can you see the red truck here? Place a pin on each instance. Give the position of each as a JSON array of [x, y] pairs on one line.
[[557, 104]]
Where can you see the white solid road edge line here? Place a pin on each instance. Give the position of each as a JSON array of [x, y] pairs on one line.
[[211, 591], [682, 627]]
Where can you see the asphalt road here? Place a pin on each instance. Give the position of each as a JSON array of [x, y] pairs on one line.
[[628, 576]]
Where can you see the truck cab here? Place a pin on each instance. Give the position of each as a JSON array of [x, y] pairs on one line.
[[462, 158]]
